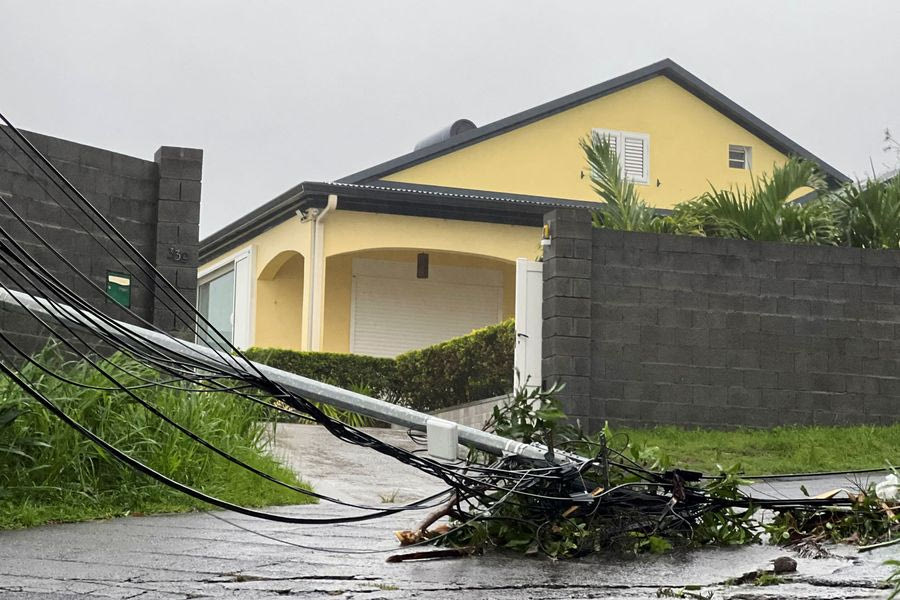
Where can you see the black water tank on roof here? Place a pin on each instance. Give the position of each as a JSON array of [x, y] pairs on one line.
[[446, 133]]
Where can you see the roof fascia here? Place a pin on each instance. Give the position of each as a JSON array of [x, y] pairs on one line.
[[272, 213], [439, 204], [748, 120]]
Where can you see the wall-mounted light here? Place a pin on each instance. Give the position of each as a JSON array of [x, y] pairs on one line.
[[422, 266], [545, 235]]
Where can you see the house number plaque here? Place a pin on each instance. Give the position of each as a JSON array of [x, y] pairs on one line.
[[177, 255]]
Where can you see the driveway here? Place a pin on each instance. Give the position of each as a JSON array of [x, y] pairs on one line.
[[200, 555]]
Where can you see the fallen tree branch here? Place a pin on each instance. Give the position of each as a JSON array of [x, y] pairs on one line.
[[421, 533], [432, 554]]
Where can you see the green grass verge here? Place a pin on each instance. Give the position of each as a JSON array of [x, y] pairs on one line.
[[50, 473], [779, 450]]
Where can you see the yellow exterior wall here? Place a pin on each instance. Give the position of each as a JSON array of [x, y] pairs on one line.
[[348, 234], [688, 148], [397, 237], [339, 282], [279, 305], [348, 231], [269, 249]]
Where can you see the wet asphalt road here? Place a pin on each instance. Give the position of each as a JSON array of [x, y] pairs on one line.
[[198, 555]]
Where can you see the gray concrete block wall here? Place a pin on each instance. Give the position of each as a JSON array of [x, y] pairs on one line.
[[567, 326], [723, 333], [472, 414], [127, 192], [177, 231]]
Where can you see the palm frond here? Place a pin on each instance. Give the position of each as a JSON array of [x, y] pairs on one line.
[[868, 215], [761, 212], [624, 209]]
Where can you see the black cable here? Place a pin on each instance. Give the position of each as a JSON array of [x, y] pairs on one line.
[[141, 467], [66, 187], [156, 412], [545, 486], [371, 442], [442, 472]]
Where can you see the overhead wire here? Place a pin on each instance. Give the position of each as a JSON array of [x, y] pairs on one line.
[[539, 487]]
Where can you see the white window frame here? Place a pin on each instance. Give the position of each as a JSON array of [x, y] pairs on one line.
[[620, 149], [212, 275], [239, 313], [748, 156]]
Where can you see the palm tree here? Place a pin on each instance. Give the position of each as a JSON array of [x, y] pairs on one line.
[[868, 215], [762, 212], [624, 208]]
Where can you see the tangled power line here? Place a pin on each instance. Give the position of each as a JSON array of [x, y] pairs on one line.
[[534, 485]]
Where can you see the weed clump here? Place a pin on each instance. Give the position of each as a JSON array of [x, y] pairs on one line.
[[51, 473]]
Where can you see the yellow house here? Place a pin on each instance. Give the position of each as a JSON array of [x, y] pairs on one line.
[[422, 247]]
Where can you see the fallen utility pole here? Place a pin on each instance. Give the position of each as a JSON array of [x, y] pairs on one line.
[[302, 386]]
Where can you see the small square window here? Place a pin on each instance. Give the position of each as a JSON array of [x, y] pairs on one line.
[[739, 157], [118, 288]]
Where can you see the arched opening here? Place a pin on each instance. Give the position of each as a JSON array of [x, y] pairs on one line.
[[279, 302], [387, 301]]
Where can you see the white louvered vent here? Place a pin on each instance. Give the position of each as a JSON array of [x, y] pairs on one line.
[[635, 158], [633, 150], [613, 142], [613, 137]]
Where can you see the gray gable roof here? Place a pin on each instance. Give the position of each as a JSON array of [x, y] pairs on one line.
[[666, 67]]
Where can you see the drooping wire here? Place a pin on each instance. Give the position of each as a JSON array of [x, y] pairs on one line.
[[539, 488]]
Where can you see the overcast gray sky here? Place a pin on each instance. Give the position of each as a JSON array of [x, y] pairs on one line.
[[281, 92]]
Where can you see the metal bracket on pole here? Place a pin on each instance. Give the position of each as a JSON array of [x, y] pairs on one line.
[[443, 438]]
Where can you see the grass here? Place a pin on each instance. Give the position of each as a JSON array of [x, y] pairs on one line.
[[389, 498], [50, 473], [779, 450], [768, 579]]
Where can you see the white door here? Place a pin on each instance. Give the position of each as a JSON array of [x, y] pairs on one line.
[[529, 321], [393, 311]]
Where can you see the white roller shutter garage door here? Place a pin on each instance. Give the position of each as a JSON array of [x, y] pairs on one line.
[[392, 311]]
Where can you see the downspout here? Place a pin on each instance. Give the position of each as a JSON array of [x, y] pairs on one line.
[[316, 312]]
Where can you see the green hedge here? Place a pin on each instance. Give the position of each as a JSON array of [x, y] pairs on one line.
[[377, 376], [464, 369]]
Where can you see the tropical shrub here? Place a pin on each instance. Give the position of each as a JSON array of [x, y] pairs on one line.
[[467, 368], [464, 369], [762, 211], [868, 216], [377, 375], [367, 375]]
